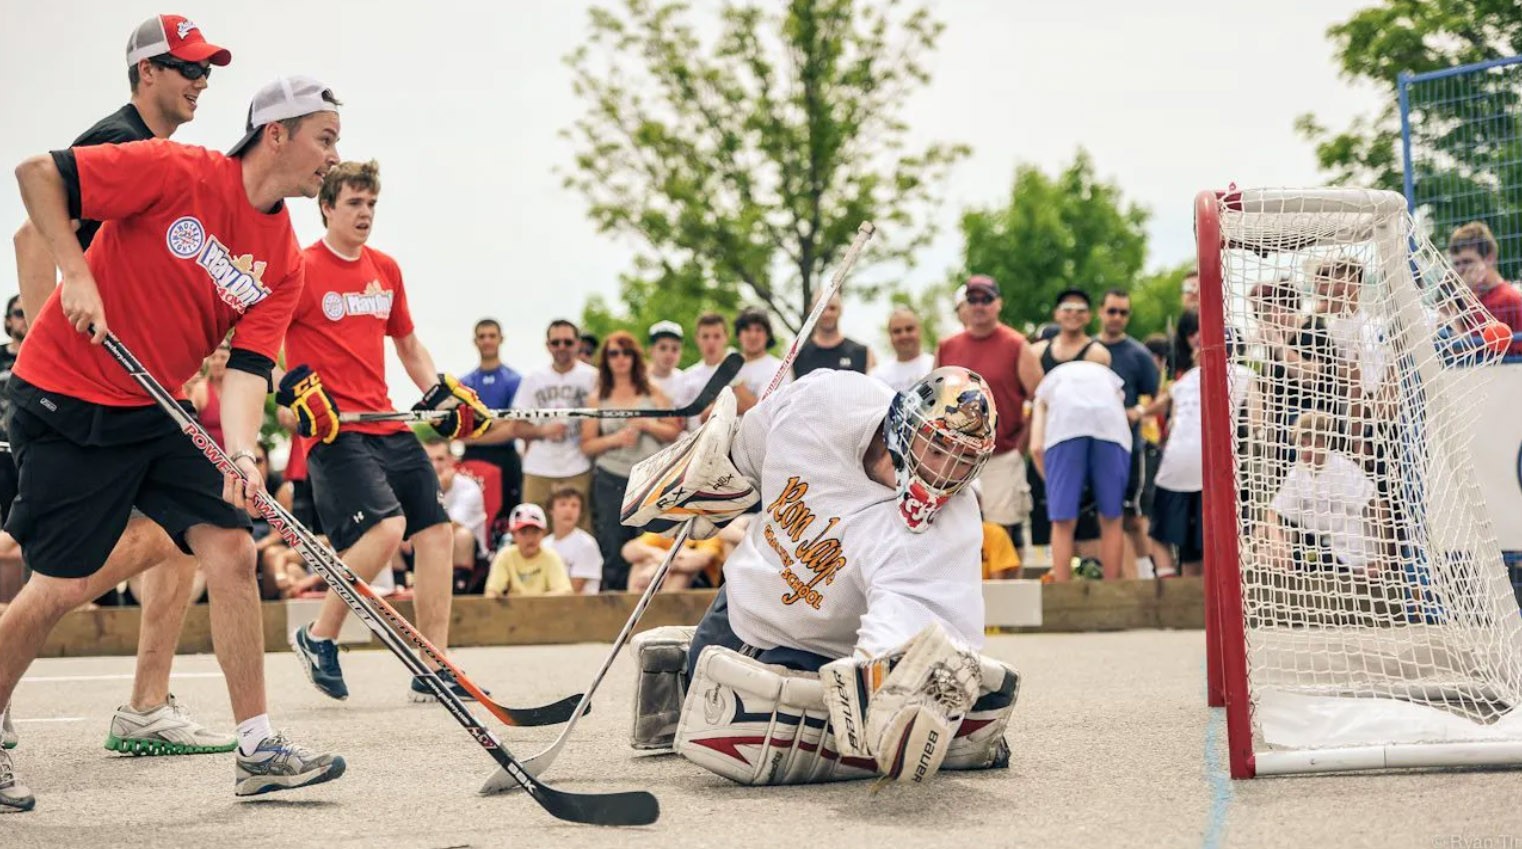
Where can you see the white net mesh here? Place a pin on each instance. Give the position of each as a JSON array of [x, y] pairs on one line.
[[1378, 609]]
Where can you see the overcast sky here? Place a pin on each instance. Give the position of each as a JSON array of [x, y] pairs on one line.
[[462, 102]]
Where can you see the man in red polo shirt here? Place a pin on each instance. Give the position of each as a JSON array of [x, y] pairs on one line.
[[1002, 356], [1475, 254], [372, 483], [195, 245]]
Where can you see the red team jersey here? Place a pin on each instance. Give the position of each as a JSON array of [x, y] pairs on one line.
[[340, 327], [177, 266]]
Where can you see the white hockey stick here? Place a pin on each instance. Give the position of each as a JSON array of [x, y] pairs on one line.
[[535, 765]]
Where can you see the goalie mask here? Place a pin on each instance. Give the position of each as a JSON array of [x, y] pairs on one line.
[[939, 432]]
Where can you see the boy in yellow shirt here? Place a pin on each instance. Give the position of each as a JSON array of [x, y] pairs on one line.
[[526, 567]]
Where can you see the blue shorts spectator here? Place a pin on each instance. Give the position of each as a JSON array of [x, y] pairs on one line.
[[1104, 465]]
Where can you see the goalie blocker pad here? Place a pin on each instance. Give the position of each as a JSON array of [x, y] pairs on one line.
[[693, 478], [660, 656], [755, 723]]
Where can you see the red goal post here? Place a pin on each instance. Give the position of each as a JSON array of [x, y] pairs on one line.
[[1358, 612]]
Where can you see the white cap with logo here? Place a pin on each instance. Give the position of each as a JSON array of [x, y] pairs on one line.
[[283, 99], [526, 515]]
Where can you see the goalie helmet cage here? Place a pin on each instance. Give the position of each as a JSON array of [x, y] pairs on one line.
[[1358, 610]]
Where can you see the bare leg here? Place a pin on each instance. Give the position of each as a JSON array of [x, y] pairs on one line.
[[464, 548], [12, 570], [1136, 532], [433, 583], [1162, 558], [1193, 568], [166, 590], [366, 557], [1112, 543], [1062, 549], [237, 629], [26, 623]]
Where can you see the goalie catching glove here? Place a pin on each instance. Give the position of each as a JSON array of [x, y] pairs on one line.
[[467, 415], [693, 478], [302, 393]]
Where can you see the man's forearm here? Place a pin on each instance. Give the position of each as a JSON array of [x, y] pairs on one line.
[[242, 410], [35, 271], [417, 361], [47, 205]]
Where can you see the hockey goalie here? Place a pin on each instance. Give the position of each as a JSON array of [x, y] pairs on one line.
[[844, 641]]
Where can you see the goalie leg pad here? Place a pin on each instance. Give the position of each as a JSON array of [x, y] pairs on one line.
[[759, 724], [902, 708], [661, 660], [979, 742]]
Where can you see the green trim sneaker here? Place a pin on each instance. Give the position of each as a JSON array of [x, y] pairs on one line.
[[279, 764], [8, 736], [164, 730], [14, 797]]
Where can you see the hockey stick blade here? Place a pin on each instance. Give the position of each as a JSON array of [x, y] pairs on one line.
[[723, 375], [550, 714]]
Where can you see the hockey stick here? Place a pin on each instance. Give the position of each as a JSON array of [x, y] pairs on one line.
[[628, 808], [500, 780], [726, 371]]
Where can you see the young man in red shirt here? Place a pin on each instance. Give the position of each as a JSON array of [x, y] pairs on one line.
[[372, 483], [169, 65], [1475, 254], [195, 245]]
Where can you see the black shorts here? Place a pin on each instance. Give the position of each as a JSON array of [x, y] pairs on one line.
[[303, 507], [74, 500], [1178, 520], [1140, 486], [361, 479]]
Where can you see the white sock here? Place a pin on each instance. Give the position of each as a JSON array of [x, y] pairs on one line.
[[1144, 567], [252, 732]]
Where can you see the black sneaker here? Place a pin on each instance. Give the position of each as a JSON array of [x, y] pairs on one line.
[[421, 693], [319, 660]]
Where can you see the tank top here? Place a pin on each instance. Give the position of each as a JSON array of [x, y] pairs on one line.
[[1049, 361], [846, 356], [620, 461]]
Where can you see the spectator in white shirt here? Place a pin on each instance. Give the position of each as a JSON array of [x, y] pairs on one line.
[[665, 351], [463, 501], [713, 346], [1326, 513], [910, 362], [753, 328], [577, 548]]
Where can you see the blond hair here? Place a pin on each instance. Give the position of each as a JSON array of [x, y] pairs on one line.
[[359, 176], [1315, 424], [1474, 236]]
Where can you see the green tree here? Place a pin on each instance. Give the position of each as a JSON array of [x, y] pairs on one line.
[[1155, 301], [742, 164], [1072, 230], [1470, 127]]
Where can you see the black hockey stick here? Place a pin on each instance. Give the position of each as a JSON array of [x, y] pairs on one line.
[[628, 808], [722, 376]]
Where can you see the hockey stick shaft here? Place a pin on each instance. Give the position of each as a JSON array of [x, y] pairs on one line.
[[358, 594], [536, 764], [633, 808], [721, 378]]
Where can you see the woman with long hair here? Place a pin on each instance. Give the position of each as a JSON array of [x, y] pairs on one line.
[[615, 445]]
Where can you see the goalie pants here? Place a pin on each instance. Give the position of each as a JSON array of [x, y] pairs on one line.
[[714, 630]]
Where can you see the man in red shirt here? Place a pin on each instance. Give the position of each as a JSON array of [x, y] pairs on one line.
[[195, 245], [1002, 356], [372, 482], [1474, 253], [169, 66]]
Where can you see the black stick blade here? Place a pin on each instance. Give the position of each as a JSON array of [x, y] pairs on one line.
[[633, 807], [722, 377], [550, 714]]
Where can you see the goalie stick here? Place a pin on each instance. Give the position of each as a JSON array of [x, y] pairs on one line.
[[627, 808], [722, 376], [501, 780]]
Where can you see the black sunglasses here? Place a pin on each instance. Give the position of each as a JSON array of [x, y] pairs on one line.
[[980, 300], [1116, 311], [620, 352], [562, 343], [18, 313], [189, 70]]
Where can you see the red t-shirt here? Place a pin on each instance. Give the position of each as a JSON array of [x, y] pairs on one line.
[[181, 260], [340, 327], [997, 358], [1505, 304]]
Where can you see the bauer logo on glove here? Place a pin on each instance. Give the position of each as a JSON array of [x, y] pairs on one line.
[[301, 392]]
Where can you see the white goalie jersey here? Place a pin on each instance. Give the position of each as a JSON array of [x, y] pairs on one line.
[[827, 566]]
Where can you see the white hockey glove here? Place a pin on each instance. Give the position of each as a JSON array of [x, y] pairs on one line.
[[903, 708], [693, 478]]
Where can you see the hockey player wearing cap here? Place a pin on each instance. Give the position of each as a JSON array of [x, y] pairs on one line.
[[372, 481], [169, 65], [843, 642], [90, 446]]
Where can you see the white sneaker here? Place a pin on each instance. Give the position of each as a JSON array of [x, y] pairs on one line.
[[14, 796], [279, 764], [164, 730]]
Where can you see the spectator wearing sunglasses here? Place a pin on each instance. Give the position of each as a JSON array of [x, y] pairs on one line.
[[1004, 358], [615, 445], [553, 458], [1138, 371], [169, 65]]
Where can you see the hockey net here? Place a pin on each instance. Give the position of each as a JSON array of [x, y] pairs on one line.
[[1360, 611]]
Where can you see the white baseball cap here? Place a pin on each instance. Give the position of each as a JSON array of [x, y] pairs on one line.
[[526, 515], [283, 99], [665, 328]]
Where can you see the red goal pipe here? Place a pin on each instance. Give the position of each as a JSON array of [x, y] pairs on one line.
[[1225, 619]]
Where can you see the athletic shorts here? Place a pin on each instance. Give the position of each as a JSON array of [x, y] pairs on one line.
[[1140, 485], [303, 507], [361, 479], [1006, 496], [75, 500], [1177, 519], [1071, 463]]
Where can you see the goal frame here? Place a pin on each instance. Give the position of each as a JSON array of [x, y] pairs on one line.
[[1225, 611]]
